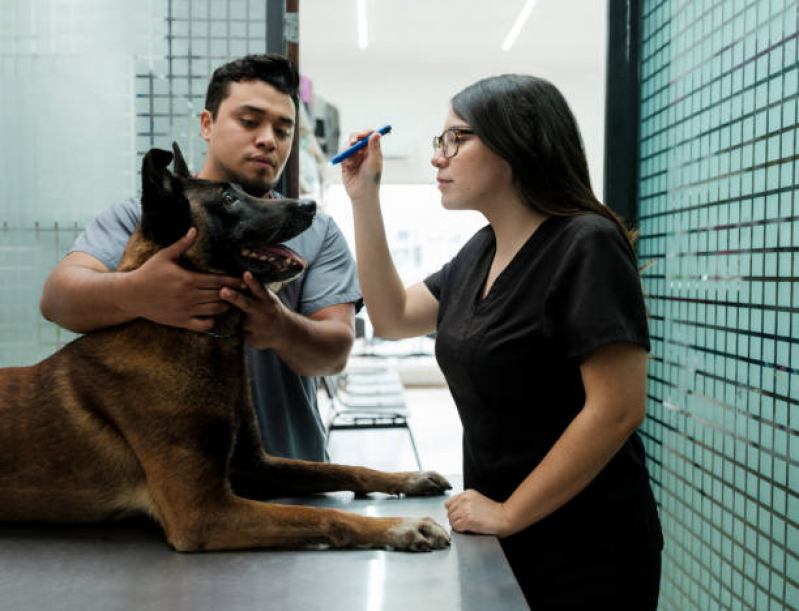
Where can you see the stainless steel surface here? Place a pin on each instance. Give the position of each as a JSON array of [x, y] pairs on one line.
[[129, 566]]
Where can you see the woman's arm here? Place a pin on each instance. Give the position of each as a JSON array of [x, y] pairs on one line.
[[395, 312], [614, 377]]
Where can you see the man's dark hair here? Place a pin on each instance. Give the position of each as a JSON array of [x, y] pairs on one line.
[[276, 70]]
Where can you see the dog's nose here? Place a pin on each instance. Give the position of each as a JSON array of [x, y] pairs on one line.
[[307, 206]]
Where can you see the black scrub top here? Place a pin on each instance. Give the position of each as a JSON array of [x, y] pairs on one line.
[[512, 362]]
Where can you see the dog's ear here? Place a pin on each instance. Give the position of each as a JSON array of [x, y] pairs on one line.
[[180, 167], [166, 214]]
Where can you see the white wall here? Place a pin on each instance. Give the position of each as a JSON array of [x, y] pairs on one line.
[[416, 106], [422, 52]]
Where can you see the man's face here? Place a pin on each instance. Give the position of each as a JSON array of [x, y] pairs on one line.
[[250, 140]]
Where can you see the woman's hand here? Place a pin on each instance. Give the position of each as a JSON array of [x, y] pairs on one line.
[[470, 511], [362, 171]]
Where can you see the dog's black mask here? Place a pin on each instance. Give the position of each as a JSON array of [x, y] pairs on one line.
[[237, 232]]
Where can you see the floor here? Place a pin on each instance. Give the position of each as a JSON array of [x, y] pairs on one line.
[[436, 429]]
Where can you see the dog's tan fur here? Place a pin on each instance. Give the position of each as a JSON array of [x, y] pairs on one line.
[[147, 419]]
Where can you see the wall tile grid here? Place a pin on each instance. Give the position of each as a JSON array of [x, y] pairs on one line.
[[719, 220]]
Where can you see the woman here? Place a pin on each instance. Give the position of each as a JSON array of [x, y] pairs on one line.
[[542, 336]]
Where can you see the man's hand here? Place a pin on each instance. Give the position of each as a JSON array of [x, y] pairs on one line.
[[164, 292], [265, 320], [313, 345]]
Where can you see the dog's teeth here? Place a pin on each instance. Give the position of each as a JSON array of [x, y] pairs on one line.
[[288, 260], [262, 257], [271, 259], [245, 252]]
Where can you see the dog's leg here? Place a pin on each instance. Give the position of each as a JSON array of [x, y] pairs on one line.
[[272, 477], [198, 511], [195, 506], [236, 523], [254, 474]]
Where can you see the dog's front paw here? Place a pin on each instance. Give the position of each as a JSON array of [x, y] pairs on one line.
[[424, 483], [418, 535]]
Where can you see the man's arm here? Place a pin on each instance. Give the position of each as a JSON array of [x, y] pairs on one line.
[[79, 295], [320, 344], [315, 345], [82, 295]]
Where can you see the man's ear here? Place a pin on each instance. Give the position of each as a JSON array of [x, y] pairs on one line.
[[166, 214], [206, 123]]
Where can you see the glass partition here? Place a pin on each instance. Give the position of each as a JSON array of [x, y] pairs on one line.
[[718, 210]]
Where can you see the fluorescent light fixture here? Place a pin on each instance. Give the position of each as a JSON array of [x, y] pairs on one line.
[[518, 24], [363, 39]]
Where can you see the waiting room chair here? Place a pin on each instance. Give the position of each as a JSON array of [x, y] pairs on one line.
[[368, 398]]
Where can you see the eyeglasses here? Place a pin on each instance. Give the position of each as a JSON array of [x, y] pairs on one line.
[[449, 140]]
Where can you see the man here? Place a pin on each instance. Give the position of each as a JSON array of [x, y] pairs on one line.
[[249, 122]]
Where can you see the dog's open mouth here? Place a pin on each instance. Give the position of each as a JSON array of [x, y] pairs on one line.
[[273, 262]]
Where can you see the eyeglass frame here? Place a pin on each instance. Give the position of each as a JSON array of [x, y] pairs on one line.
[[439, 142]]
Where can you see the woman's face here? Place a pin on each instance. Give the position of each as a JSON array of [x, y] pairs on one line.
[[474, 177]]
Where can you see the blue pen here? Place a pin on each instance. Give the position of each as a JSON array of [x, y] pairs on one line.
[[357, 146]]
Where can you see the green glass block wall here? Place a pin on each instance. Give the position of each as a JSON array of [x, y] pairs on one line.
[[86, 88], [719, 220]]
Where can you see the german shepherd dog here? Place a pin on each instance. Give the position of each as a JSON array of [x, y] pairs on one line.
[[148, 419]]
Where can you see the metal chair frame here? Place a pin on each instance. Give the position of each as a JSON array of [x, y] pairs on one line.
[[369, 413]]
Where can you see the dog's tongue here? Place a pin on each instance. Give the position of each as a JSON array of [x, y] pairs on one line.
[[282, 252]]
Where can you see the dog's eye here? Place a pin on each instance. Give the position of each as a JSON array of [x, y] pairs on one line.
[[228, 199]]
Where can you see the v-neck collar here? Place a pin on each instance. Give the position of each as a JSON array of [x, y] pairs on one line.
[[507, 271]]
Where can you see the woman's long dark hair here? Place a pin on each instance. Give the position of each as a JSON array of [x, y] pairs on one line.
[[527, 121]]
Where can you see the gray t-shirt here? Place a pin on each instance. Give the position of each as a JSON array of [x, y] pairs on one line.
[[284, 401]]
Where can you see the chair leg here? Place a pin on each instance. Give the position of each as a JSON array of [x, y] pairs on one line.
[[413, 445], [406, 426], [330, 426]]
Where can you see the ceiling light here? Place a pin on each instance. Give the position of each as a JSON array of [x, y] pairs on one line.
[[363, 39], [517, 26]]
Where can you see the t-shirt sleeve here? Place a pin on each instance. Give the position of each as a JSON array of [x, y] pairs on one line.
[[438, 282], [435, 281], [107, 235], [332, 277], [595, 297]]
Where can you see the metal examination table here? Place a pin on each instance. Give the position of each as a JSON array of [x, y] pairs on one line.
[[129, 566]]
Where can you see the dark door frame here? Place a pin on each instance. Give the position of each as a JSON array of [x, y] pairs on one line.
[[622, 108], [282, 36]]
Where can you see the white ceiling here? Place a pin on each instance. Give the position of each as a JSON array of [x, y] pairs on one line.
[[422, 52], [429, 34]]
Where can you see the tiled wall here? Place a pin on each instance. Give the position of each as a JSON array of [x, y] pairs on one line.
[[719, 219], [86, 88]]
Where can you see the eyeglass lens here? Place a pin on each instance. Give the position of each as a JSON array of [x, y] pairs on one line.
[[447, 143]]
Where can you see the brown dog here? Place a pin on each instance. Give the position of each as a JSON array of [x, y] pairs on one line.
[[148, 419]]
